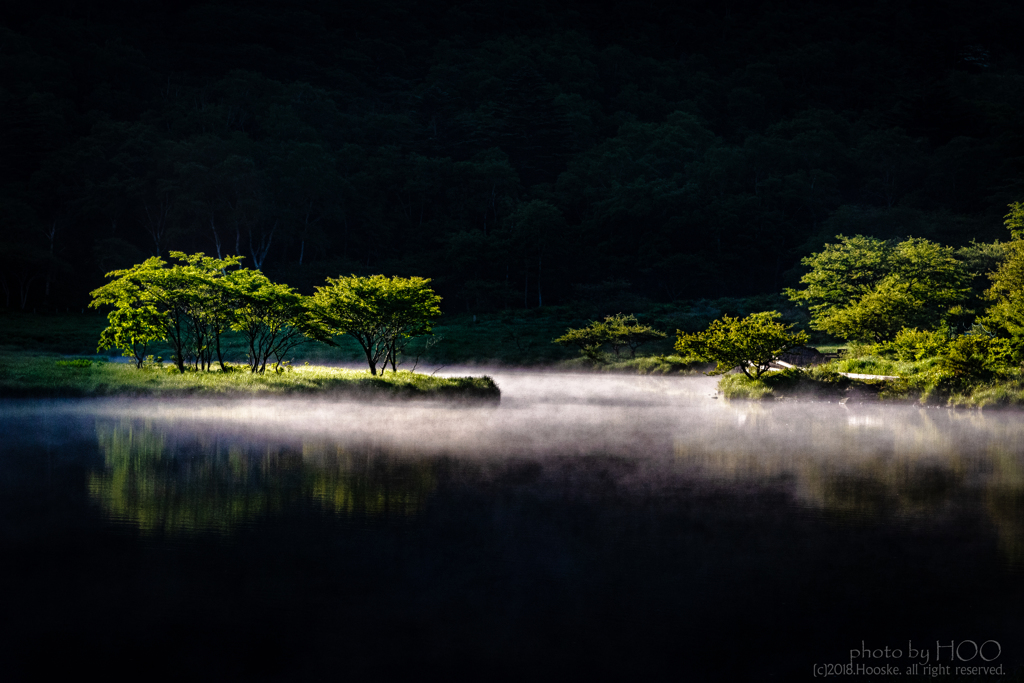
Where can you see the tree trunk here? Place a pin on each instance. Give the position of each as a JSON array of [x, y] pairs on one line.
[[369, 356], [259, 252], [216, 237], [220, 356]]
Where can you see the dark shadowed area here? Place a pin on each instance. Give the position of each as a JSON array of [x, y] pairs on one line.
[[521, 155], [587, 526]]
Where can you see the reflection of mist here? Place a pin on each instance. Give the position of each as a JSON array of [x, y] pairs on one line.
[[208, 464]]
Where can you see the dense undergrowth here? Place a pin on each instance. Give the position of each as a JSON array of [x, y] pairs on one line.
[[928, 381]]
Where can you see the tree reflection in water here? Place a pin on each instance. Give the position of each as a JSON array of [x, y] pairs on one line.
[[587, 526], [163, 476], [201, 483], [930, 468]]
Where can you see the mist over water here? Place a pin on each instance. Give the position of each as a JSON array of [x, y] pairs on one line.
[[584, 514]]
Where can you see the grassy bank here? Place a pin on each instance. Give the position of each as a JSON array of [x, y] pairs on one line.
[[924, 382], [25, 375]]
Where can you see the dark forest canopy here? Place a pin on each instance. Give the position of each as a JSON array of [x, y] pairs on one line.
[[508, 152]]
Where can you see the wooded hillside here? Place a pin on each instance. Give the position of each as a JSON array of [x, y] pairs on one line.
[[511, 153]]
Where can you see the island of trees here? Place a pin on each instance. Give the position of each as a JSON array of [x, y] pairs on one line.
[[192, 304]]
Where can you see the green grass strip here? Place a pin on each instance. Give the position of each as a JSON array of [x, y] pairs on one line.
[[39, 376]]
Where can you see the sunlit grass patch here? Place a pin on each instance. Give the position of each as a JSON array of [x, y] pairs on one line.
[[876, 365], [31, 375]]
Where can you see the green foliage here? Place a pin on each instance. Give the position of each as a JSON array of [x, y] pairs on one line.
[[624, 330], [935, 366], [207, 302], [192, 303], [912, 344], [1006, 314], [869, 289], [133, 330], [381, 313], [751, 343], [617, 331], [842, 272], [138, 319], [992, 395], [967, 360], [272, 318], [588, 340], [743, 388], [1014, 221], [789, 383], [185, 304]]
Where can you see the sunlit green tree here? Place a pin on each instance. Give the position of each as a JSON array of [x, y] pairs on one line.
[[272, 318], [869, 289], [752, 343], [1005, 315], [617, 331], [588, 340], [209, 306], [136, 319], [381, 313], [192, 303]]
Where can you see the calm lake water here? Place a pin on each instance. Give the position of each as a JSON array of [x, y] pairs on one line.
[[587, 526]]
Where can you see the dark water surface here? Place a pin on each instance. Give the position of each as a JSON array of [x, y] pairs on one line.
[[586, 527]]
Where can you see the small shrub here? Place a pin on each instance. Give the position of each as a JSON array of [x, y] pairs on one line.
[[913, 344], [826, 373], [743, 388], [966, 361], [858, 349]]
